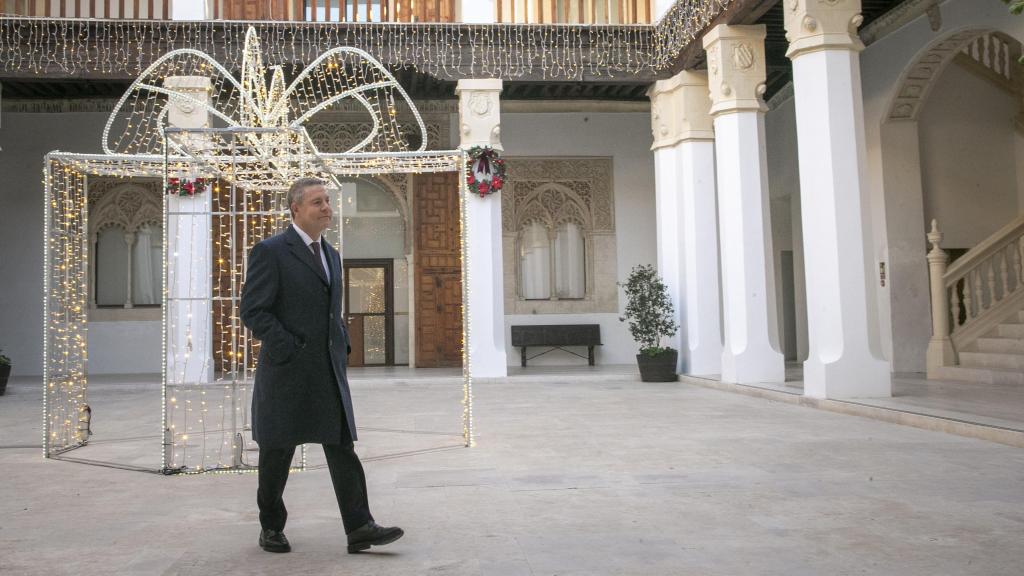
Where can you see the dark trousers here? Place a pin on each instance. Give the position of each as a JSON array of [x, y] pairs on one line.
[[346, 475]]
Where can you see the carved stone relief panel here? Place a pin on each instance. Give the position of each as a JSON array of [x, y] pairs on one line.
[[123, 203], [336, 132], [554, 191]]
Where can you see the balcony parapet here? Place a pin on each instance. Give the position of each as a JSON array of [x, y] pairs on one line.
[[121, 49]]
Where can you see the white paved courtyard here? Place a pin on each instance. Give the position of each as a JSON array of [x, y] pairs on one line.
[[575, 475]]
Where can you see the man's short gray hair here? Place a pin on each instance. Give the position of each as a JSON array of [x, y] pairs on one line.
[[298, 188]]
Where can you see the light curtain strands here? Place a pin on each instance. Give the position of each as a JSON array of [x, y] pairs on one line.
[[200, 422], [509, 51], [263, 149], [65, 411]]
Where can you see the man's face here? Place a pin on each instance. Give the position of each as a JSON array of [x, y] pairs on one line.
[[313, 211]]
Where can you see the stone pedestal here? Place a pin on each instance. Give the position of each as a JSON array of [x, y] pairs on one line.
[[480, 125], [189, 329], [844, 359], [736, 75], [684, 163]]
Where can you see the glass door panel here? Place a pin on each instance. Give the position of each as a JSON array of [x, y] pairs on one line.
[[370, 312]]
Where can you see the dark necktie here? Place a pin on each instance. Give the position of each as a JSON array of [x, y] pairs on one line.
[[316, 256]]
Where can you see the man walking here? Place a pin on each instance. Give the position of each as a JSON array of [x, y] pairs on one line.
[[291, 302]]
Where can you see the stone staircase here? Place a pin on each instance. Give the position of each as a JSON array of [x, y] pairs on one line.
[[996, 357]]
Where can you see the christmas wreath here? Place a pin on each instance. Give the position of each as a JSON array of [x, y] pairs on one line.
[[186, 187], [485, 173]]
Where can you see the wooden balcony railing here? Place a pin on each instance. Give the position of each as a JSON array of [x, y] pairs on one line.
[[335, 10], [121, 9], [506, 11], [574, 11]]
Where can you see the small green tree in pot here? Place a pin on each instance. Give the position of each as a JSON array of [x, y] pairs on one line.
[[650, 314], [5, 372]]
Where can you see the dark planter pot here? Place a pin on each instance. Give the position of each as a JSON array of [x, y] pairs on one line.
[[5, 373], [660, 368]]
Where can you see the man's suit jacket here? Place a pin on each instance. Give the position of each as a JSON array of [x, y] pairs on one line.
[[289, 304]]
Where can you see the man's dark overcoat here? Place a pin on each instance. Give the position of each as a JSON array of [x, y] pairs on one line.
[[289, 304]]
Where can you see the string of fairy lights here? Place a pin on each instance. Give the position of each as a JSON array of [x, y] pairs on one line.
[[238, 176], [445, 50]]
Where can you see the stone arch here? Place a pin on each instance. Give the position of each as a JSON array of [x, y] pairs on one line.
[[919, 77], [904, 191]]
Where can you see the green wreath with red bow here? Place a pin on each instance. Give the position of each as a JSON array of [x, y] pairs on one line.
[[485, 171]]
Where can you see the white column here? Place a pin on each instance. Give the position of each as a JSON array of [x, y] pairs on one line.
[[188, 9], [736, 74], [844, 360], [480, 125], [684, 165], [129, 239], [661, 7], [189, 255], [476, 11]]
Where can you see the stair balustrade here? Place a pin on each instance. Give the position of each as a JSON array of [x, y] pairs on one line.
[[980, 289]]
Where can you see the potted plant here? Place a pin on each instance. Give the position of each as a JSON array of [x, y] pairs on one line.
[[650, 314], [5, 372]]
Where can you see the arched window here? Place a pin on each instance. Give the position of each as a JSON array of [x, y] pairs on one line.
[[535, 262], [126, 268], [147, 265], [570, 262], [112, 254]]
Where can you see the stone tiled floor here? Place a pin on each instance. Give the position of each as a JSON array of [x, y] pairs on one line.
[[574, 474]]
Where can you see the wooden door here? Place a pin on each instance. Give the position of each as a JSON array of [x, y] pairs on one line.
[[438, 271]]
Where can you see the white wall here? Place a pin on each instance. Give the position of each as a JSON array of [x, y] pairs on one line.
[[128, 347], [627, 138], [966, 131]]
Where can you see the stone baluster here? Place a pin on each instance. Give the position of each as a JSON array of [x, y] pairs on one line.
[[992, 299], [1020, 262], [940, 347], [1004, 274], [968, 298], [978, 294], [954, 305]]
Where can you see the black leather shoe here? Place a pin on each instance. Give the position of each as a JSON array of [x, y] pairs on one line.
[[372, 534], [273, 541]]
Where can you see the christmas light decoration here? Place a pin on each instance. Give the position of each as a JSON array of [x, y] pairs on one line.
[[247, 167]]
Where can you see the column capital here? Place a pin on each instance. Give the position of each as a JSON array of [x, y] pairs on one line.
[[736, 68], [813, 25], [183, 112], [681, 109], [479, 112]]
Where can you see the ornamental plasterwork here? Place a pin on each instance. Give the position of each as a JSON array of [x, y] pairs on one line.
[[589, 179], [553, 192], [919, 78], [128, 205]]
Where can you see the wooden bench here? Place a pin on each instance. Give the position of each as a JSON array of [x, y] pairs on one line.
[[556, 337]]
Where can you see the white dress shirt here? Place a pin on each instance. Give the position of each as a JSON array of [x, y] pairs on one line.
[[323, 253]]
